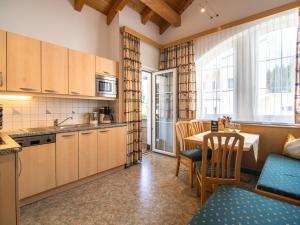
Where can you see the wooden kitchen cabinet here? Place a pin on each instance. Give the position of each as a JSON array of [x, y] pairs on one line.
[[87, 153], [8, 190], [23, 63], [66, 158], [37, 169], [81, 73], [55, 69], [112, 148], [106, 66], [2, 60]]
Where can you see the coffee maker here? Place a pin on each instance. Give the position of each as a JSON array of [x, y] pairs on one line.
[[105, 115]]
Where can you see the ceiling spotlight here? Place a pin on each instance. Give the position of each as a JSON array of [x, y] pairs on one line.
[[203, 10]]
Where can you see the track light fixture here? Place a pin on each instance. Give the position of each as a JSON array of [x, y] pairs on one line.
[[206, 7]]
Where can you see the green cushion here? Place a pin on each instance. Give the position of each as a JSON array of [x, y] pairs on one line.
[[281, 176], [231, 205], [195, 154]]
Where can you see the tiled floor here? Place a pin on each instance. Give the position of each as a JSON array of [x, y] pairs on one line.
[[143, 194]]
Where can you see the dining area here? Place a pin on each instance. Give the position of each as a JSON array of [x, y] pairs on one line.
[[213, 155]]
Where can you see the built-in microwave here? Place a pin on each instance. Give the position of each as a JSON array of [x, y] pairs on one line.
[[106, 86]]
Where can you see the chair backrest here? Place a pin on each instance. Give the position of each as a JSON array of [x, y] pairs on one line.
[[183, 130], [197, 126], [225, 164]]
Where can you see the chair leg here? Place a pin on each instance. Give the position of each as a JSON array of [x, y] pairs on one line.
[[178, 165], [203, 194], [191, 173], [198, 188]]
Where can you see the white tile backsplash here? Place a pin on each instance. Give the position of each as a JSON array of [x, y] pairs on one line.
[[41, 111]]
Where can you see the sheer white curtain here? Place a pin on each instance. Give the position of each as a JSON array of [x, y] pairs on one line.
[[248, 71]]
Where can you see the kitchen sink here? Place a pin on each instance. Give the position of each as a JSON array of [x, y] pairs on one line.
[[69, 126]]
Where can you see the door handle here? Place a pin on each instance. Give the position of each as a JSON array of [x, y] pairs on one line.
[[75, 93], [20, 166], [87, 133], [50, 91], [68, 135], [28, 89], [104, 131], [1, 79]]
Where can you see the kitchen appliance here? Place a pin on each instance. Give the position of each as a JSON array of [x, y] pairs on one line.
[[106, 86], [93, 118], [101, 115], [105, 115], [35, 140]]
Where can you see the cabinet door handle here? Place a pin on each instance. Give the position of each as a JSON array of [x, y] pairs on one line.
[[20, 166], [84, 133], [104, 131], [1, 79], [75, 93], [28, 89], [68, 135], [50, 91], [106, 72]]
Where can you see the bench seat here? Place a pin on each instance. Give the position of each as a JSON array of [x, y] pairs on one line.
[[280, 176], [231, 205]]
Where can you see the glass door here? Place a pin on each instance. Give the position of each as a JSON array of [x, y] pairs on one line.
[[146, 111], [164, 111]]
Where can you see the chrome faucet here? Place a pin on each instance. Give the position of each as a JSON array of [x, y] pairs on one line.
[[56, 123]]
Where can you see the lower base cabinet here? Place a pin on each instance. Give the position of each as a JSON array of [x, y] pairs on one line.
[[66, 158], [75, 155], [37, 169], [87, 153], [8, 190], [112, 147]]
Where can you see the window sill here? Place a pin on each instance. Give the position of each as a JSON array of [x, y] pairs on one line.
[[263, 124]]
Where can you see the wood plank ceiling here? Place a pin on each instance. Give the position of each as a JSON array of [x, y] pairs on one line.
[[164, 13]]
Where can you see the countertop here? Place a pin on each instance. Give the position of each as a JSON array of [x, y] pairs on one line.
[[25, 132], [9, 146]]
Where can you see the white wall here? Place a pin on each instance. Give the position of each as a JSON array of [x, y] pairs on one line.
[[149, 54], [193, 21], [132, 19], [57, 22]]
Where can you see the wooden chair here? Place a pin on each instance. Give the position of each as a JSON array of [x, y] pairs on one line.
[[197, 126], [225, 165], [187, 154]]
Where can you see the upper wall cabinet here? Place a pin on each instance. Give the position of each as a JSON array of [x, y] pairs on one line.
[[2, 60], [81, 73], [54, 69], [23, 63], [106, 66]]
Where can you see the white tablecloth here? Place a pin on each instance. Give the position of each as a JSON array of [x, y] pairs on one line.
[[251, 141]]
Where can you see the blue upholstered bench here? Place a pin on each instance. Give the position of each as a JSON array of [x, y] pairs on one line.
[[231, 205], [280, 179]]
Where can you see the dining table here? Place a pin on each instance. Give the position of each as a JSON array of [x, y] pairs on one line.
[[251, 141]]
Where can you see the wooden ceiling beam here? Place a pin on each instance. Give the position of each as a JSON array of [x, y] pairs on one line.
[[146, 15], [117, 6], [78, 4], [164, 10], [165, 25]]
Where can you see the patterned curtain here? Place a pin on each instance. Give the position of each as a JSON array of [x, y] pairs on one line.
[[297, 89], [132, 96], [182, 57]]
